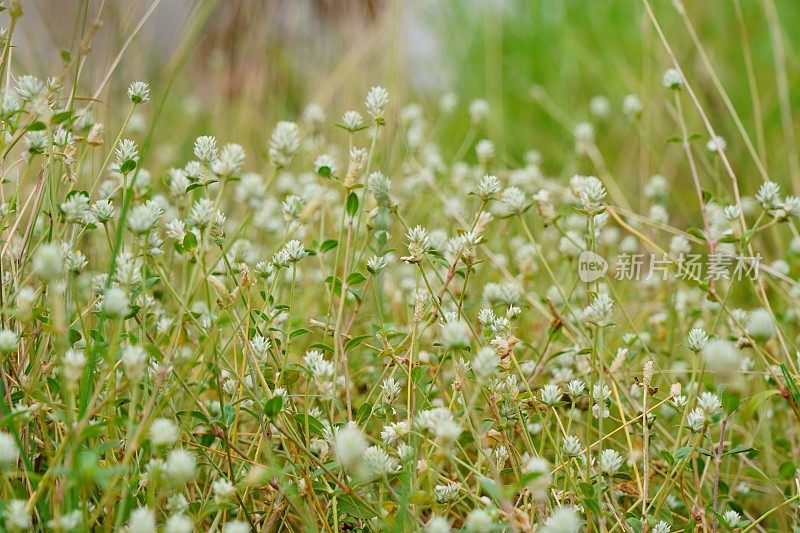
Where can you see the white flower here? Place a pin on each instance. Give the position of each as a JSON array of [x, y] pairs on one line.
[[223, 489], [376, 101], [446, 493], [230, 160], [697, 339], [672, 79], [599, 106], [760, 324], [349, 445], [163, 432], [488, 186], [537, 471], [295, 250], [29, 87], [562, 520], [551, 394], [284, 143], [352, 121], [592, 193], [142, 520], [478, 521], [661, 527], [8, 340], [600, 311], [584, 133], [115, 302], [731, 518], [768, 195], [610, 461], [9, 452], [632, 105], [73, 365], [721, 356], [696, 419], [48, 261], [134, 359], [484, 150], [325, 165], [485, 364], [205, 148], [375, 463], [437, 524], [126, 151], [203, 212], [478, 110], [709, 403], [139, 92], [178, 523], [454, 334], [236, 526], [576, 387], [716, 144], [572, 446], [17, 515], [181, 466]]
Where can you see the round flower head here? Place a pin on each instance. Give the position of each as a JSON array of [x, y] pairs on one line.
[[672, 79], [17, 515], [562, 520], [537, 472], [8, 340], [236, 526], [376, 101], [205, 148], [721, 356], [478, 521], [9, 452], [284, 143], [163, 432], [142, 520], [139, 92], [437, 524], [349, 446], [115, 302], [760, 324], [178, 523], [181, 466], [48, 262]]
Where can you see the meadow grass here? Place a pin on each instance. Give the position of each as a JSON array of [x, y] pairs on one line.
[[561, 298]]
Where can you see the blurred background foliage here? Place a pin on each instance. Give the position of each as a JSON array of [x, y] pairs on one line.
[[234, 68]]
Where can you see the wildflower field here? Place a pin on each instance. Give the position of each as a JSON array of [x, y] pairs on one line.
[[376, 265]]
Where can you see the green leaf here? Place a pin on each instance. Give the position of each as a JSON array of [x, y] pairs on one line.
[[273, 406], [696, 232], [355, 341], [786, 470], [355, 278], [330, 244], [190, 241], [739, 449], [349, 506], [127, 166], [730, 401], [352, 204], [680, 453], [36, 126], [298, 332], [58, 118], [363, 412], [315, 427], [790, 384]]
